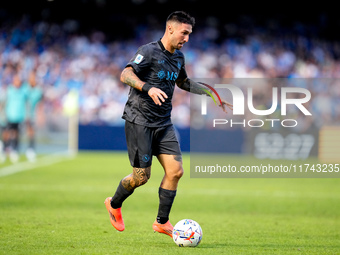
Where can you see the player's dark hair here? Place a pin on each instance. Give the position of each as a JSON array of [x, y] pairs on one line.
[[181, 17]]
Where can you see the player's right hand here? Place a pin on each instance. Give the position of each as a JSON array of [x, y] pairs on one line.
[[157, 95]]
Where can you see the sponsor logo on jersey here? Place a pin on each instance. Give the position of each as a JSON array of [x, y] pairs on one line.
[[169, 76]]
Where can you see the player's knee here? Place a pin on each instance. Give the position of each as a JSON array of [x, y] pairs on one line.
[[141, 175], [178, 173], [143, 179]]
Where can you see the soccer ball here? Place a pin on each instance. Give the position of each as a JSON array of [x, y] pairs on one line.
[[187, 233]]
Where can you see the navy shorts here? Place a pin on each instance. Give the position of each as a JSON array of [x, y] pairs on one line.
[[144, 142]]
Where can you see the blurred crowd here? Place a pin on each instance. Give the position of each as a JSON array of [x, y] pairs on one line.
[[64, 60]]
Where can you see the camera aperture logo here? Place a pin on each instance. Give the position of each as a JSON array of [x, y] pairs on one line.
[[302, 96]]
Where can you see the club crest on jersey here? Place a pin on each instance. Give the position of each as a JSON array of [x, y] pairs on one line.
[[161, 75], [138, 59]]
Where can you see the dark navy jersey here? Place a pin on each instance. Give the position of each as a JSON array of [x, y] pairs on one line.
[[155, 65]]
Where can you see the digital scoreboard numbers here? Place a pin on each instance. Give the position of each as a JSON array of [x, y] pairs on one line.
[[279, 146], [329, 144]]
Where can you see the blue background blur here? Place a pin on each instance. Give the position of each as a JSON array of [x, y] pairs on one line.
[[85, 44]]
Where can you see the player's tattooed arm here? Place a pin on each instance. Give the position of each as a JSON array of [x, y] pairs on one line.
[[129, 77], [193, 87]]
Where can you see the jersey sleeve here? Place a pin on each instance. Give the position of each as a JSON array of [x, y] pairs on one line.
[[141, 60], [182, 73]]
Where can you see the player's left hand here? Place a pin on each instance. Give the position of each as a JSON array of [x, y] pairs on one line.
[[224, 104], [157, 95]]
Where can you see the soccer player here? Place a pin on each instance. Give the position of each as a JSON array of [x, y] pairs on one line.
[[152, 74], [16, 99], [34, 96], [3, 131]]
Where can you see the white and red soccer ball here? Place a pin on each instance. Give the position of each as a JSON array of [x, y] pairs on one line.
[[187, 233]]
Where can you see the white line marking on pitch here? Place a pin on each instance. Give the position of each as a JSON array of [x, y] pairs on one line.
[[43, 161]]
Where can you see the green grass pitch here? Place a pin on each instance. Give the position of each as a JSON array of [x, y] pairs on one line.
[[59, 209]]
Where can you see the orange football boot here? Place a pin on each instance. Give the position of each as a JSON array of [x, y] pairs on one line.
[[116, 217], [165, 228]]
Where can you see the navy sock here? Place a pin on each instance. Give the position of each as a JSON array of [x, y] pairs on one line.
[[166, 198], [119, 197]]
